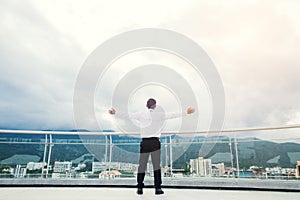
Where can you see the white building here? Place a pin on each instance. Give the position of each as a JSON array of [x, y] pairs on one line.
[[218, 170], [201, 166], [129, 167], [20, 172], [274, 171], [35, 165], [100, 166], [62, 167]]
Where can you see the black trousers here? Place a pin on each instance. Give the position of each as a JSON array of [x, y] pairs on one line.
[[149, 146]]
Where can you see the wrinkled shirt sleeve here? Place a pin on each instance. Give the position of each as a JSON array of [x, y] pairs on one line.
[[175, 115], [125, 115]]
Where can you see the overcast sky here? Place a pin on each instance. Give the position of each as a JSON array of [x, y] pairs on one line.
[[255, 46]]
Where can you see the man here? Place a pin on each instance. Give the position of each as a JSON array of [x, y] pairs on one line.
[[151, 123]]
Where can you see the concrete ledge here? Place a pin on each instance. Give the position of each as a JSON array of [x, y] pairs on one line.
[[199, 183]]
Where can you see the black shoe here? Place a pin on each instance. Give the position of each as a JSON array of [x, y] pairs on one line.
[[139, 191], [158, 191]]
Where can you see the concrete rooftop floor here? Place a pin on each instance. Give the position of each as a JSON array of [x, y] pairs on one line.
[[92, 193]]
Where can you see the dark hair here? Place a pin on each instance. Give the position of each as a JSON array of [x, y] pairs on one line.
[[150, 103]]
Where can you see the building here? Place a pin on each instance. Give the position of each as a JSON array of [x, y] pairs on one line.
[[99, 166], [273, 171], [35, 165], [129, 167], [62, 167], [102, 166], [218, 170], [201, 166], [20, 172]]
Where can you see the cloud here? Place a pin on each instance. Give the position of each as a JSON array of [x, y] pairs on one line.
[[38, 69], [254, 45], [43, 45]]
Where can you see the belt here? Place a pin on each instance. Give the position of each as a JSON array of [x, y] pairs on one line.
[[151, 138]]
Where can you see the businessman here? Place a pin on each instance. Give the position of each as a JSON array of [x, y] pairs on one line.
[[150, 123]]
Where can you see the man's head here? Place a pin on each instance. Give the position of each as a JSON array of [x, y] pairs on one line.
[[151, 103]]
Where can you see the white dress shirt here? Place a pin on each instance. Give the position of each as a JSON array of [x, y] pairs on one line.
[[151, 121]]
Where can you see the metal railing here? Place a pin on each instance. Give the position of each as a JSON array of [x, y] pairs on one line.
[[48, 140]]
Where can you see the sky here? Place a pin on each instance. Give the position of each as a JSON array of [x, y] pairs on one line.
[[254, 45]]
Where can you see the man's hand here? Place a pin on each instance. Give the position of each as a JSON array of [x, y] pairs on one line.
[[190, 110], [112, 111]]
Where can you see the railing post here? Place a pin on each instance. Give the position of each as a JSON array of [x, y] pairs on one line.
[[105, 156], [166, 152], [110, 151], [237, 156], [231, 153], [171, 157], [45, 154], [49, 155]]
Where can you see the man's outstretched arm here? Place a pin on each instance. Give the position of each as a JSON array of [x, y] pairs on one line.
[[123, 115], [189, 111]]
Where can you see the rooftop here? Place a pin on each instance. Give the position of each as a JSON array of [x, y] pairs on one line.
[[91, 193]]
